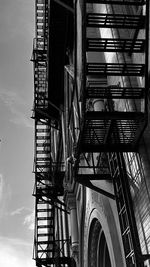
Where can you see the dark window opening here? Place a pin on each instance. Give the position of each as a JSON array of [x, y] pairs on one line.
[[98, 254]]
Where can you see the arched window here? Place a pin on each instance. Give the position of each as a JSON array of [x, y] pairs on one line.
[[98, 254]]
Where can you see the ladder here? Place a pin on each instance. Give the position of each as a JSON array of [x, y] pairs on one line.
[[129, 233]]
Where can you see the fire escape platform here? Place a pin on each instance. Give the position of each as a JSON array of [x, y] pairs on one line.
[[115, 69], [115, 45], [111, 131], [114, 92], [51, 191], [117, 2], [114, 115], [102, 20]]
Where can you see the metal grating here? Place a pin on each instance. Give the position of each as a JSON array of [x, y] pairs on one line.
[[115, 91], [115, 69], [118, 2], [115, 45], [100, 20]]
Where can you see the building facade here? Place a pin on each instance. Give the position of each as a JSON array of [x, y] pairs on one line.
[[92, 145]]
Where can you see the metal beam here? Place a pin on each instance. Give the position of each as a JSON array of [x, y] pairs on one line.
[[120, 147], [100, 176], [95, 188], [114, 115], [66, 6]]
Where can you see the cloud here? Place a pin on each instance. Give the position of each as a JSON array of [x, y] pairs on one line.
[[5, 196], [19, 211], [15, 253], [1, 186], [29, 221], [17, 108]]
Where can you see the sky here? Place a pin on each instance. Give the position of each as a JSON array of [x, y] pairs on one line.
[[16, 133]]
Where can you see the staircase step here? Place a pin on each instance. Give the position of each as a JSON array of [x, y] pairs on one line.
[[46, 242], [44, 210], [40, 2], [49, 194], [45, 235], [45, 251], [43, 159], [101, 20], [39, 124], [38, 106], [46, 165], [43, 137], [45, 226], [41, 177], [40, 7], [44, 173], [43, 144], [46, 130], [45, 218], [43, 152]]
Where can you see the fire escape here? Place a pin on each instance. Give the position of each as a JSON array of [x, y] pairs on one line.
[[51, 238], [99, 127], [100, 130]]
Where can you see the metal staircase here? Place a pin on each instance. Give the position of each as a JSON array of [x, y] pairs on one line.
[[108, 129], [50, 247]]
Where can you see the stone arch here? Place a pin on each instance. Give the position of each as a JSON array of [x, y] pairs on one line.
[[102, 235], [98, 254]]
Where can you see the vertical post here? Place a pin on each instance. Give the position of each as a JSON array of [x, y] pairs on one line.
[[147, 56], [74, 230], [74, 226], [67, 234]]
